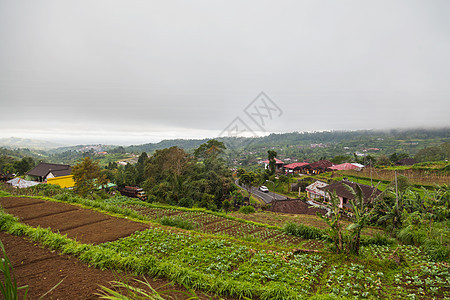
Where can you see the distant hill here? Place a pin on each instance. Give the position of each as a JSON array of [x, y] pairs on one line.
[[15, 143], [181, 143], [352, 138]]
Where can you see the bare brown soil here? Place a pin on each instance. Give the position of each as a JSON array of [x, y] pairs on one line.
[[294, 207], [86, 226], [42, 269]]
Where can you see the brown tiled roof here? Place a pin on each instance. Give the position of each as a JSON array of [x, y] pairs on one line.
[[321, 164], [342, 191], [43, 169]]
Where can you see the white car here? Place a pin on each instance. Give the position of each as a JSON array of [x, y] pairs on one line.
[[264, 189]]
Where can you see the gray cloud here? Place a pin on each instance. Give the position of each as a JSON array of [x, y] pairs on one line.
[[155, 69]]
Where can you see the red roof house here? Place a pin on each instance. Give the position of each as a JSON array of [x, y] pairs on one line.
[[344, 166], [278, 164], [295, 167]]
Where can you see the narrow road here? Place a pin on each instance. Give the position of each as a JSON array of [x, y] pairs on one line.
[[266, 197]]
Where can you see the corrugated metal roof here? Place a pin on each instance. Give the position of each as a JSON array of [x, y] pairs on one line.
[[296, 165], [344, 166], [22, 183], [315, 188]]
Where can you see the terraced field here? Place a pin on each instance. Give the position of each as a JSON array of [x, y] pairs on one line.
[[215, 263], [212, 224], [86, 226]]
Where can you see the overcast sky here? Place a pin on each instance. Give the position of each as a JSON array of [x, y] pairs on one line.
[[140, 71]]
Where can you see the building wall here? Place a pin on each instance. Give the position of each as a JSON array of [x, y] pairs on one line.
[[62, 181]]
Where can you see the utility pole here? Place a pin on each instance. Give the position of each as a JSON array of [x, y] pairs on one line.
[[396, 190], [370, 166]]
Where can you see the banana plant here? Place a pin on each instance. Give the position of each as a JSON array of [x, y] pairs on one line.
[[362, 209], [333, 219]]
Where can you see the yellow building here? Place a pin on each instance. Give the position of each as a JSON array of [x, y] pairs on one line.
[[62, 181]]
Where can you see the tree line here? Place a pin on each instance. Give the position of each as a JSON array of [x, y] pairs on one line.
[[170, 176]]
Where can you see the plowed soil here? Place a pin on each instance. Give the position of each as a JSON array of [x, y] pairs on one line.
[[294, 207], [86, 226], [41, 269]]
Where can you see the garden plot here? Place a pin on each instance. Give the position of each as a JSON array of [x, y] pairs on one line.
[[424, 276], [84, 225], [41, 269], [221, 260], [212, 224], [152, 213]]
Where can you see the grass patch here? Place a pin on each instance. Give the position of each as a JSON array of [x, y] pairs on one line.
[[177, 222], [247, 209], [304, 231], [8, 285]]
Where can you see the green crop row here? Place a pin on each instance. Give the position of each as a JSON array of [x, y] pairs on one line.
[[231, 268], [105, 256]]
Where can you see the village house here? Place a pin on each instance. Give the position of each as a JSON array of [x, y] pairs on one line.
[[314, 191], [347, 166], [53, 174], [294, 168], [341, 190], [278, 165], [317, 167]]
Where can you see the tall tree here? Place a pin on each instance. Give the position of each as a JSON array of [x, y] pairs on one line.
[[24, 165], [247, 179], [167, 168], [271, 154], [87, 176], [140, 167], [210, 149]]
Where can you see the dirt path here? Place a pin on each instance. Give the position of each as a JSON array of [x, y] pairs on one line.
[[84, 225]]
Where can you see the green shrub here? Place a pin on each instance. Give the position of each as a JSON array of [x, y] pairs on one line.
[[247, 209], [176, 222], [186, 202], [277, 290], [411, 235], [4, 194], [303, 231], [436, 250], [8, 284], [378, 239]]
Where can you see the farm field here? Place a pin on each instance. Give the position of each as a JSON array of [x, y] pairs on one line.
[[85, 226], [41, 269], [217, 225], [237, 268], [416, 176], [279, 219]]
